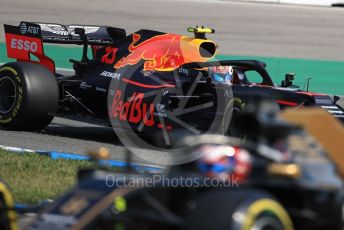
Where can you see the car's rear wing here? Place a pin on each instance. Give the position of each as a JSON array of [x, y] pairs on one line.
[[27, 39], [66, 34]]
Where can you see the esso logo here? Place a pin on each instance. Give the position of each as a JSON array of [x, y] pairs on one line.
[[24, 45]]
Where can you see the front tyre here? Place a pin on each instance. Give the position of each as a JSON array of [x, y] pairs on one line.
[[237, 210], [28, 96]]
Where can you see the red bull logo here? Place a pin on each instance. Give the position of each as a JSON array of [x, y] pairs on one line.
[[164, 52], [132, 110]]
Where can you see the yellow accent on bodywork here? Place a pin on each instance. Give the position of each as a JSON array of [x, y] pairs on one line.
[[324, 127], [120, 204], [200, 30], [287, 170]]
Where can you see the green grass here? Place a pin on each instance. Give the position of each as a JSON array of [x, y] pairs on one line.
[[327, 76], [34, 178]]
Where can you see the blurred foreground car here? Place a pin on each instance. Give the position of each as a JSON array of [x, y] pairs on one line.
[[283, 179]]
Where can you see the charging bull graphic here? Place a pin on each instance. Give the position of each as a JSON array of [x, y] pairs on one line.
[[167, 52]]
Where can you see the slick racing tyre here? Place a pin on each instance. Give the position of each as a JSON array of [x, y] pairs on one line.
[[234, 108], [237, 210], [28, 96]]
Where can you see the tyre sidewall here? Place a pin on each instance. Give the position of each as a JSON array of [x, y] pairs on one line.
[[37, 96], [255, 208], [233, 108], [15, 75], [236, 210]]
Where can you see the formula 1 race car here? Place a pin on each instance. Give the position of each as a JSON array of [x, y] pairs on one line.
[[146, 82], [279, 179]]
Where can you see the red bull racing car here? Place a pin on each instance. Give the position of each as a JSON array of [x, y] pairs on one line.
[[145, 82]]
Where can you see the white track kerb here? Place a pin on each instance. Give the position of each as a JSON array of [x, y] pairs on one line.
[[297, 2]]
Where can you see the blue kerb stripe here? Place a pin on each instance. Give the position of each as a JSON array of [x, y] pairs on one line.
[[21, 206], [110, 163], [114, 163], [68, 156], [71, 156]]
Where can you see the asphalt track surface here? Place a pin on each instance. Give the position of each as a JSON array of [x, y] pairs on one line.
[[241, 29]]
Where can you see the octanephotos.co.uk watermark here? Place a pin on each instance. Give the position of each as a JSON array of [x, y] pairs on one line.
[[161, 180]]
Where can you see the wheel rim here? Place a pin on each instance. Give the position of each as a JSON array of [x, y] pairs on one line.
[[267, 223], [8, 94]]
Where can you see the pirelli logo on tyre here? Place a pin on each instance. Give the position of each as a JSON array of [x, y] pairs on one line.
[[11, 94], [19, 101]]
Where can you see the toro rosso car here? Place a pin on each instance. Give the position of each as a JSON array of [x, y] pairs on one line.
[[281, 179], [146, 82]]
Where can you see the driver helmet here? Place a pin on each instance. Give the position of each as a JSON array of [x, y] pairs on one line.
[[224, 162], [221, 73]]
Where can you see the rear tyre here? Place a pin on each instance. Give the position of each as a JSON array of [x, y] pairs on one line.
[[237, 210], [28, 96]]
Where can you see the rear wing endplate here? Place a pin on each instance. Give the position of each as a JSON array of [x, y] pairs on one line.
[[27, 39]]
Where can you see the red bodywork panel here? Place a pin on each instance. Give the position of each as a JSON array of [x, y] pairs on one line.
[[312, 94], [21, 44]]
